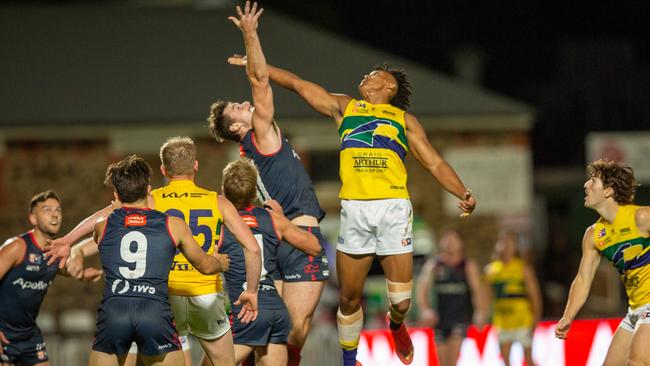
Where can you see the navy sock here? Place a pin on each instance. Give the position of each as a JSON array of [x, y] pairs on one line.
[[349, 357], [394, 326]]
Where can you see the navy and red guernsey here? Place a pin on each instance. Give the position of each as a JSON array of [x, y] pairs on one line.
[[282, 177], [136, 251], [23, 288], [261, 224]]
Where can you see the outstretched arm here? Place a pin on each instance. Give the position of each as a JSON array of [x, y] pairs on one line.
[[252, 256], [258, 76], [60, 248], [425, 281], [581, 284], [292, 234], [436, 165], [328, 104]]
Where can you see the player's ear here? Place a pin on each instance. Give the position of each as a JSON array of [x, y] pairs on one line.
[[148, 190], [32, 218], [163, 170], [196, 166]]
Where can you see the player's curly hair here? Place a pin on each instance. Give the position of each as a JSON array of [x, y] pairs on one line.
[[616, 176], [219, 123], [402, 97], [130, 178]]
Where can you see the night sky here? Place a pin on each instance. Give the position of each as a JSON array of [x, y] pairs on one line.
[[584, 68]]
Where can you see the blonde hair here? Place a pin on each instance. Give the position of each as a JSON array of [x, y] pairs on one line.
[[240, 182], [178, 155]]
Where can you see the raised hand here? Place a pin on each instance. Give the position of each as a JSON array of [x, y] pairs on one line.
[[57, 249], [247, 21], [248, 312], [276, 211]]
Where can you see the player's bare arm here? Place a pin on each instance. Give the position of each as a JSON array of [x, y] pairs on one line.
[[252, 256], [258, 76], [581, 284], [206, 264], [534, 293], [75, 263], [11, 254], [292, 234], [473, 274], [60, 248], [425, 280], [429, 158]]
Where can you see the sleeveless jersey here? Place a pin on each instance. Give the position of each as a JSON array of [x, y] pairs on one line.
[[511, 309], [199, 208], [454, 302], [136, 252], [628, 250], [282, 177], [23, 288], [261, 224], [373, 151]]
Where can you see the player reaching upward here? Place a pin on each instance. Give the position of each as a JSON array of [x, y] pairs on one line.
[[376, 217], [282, 178]]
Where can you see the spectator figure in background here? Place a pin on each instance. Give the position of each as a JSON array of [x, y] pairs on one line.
[[515, 296], [622, 235], [455, 280], [282, 177], [266, 336], [25, 278]]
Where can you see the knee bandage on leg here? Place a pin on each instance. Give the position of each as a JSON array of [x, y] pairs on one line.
[[349, 328], [397, 293]]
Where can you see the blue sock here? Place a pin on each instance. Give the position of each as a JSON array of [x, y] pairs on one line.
[[349, 357]]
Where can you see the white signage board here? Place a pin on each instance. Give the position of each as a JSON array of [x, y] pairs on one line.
[[631, 148]]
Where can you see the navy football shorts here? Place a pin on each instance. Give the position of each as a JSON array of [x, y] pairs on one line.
[[147, 322], [295, 265], [271, 326], [24, 349]]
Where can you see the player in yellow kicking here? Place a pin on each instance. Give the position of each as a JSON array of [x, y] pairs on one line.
[[622, 235]]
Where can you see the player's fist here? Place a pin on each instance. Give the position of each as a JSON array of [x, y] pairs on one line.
[[562, 328], [224, 262]]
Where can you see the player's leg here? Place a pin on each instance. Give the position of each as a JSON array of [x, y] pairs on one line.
[[271, 355], [352, 271], [173, 358], [505, 351], [453, 344], [303, 280], [97, 358], [242, 352], [398, 270], [639, 352], [301, 299], [619, 347], [208, 321]]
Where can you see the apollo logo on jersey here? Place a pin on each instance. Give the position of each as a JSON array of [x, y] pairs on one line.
[[135, 220]]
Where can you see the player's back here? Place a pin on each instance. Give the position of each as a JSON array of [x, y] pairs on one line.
[[283, 177], [450, 284], [136, 251], [198, 207], [261, 224]]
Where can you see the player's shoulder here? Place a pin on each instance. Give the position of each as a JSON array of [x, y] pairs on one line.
[[14, 247]]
